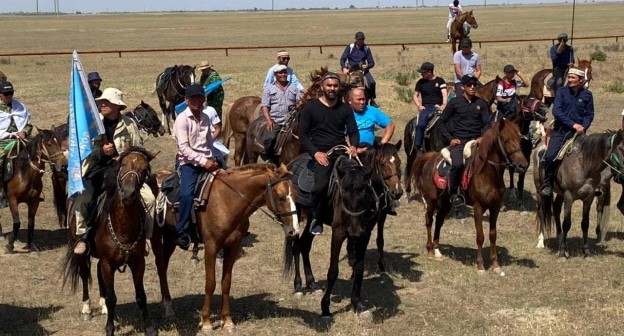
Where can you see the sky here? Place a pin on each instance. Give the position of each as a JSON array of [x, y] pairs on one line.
[[90, 6]]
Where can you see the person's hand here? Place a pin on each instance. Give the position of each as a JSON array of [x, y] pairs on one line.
[[345, 71], [321, 158], [361, 150], [579, 128], [420, 108], [352, 151], [269, 125], [455, 142], [364, 67], [20, 135], [108, 149], [440, 107], [211, 164]]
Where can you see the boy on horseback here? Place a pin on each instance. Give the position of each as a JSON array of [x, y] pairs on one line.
[[506, 98], [358, 56], [573, 111], [562, 56], [465, 118], [14, 118], [192, 129], [121, 133], [322, 127]]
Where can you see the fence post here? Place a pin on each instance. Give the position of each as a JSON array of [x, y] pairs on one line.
[[321, 49], [227, 53], [120, 54]]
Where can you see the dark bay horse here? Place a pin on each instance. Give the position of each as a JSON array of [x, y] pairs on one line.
[[25, 186], [458, 29], [146, 118], [119, 239], [579, 174], [241, 113], [500, 146], [542, 92], [222, 224], [385, 162], [170, 87]]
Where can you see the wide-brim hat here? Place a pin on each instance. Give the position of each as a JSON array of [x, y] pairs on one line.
[[204, 65], [93, 76], [114, 96]]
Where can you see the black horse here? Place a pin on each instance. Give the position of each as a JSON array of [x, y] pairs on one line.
[[170, 87], [146, 118]]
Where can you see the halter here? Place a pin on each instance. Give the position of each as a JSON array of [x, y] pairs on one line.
[[506, 155], [49, 158], [139, 122], [133, 172], [269, 192]]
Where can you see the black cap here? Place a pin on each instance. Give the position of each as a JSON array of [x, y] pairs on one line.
[[359, 36], [194, 90], [509, 68], [466, 43], [427, 66], [562, 36], [468, 80], [93, 76], [6, 87]]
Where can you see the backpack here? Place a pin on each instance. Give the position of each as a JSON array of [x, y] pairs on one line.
[[352, 45]]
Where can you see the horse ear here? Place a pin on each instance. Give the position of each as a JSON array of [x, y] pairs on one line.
[[398, 145], [282, 171], [501, 124]]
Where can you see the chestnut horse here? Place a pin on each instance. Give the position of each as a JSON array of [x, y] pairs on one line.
[[539, 87], [118, 236], [241, 113], [234, 195], [458, 31], [500, 146], [170, 87], [25, 186]]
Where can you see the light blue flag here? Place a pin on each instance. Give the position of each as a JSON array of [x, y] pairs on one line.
[[207, 90], [84, 125]]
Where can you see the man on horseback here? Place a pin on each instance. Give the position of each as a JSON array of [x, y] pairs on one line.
[[322, 127], [209, 75], [465, 118], [573, 111], [279, 100], [430, 95], [95, 81], [358, 56], [466, 62], [121, 133], [194, 140], [283, 57], [506, 98], [454, 9], [14, 126], [562, 56], [367, 117]]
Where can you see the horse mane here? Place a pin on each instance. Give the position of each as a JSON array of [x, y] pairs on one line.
[[593, 147], [252, 167], [317, 74], [374, 154], [488, 141]]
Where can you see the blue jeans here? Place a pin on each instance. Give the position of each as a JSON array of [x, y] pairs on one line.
[[423, 118], [188, 177]]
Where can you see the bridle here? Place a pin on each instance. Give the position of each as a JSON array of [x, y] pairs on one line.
[[506, 155], [617, 164], [131, 172]]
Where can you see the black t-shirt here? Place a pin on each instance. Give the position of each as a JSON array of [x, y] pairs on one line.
[[323, 127], [464, 120], [431, 90]]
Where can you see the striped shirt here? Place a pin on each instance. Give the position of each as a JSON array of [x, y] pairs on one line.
[[193, 137], [280, 101]]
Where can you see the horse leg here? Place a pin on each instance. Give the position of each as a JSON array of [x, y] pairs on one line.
[[585, 225], [239, 148], [102, 288], [512, 171], [210, 259], [429, 223], [311, 285], [13, 206], [194, 257], [298, 292], [478, 219], [32, 211], [361, 243], [230, 253], [557, 206], [338, 237], [494, 211], [520, 191], [567, 223], [163, 247], [408, 174], [84, 272], [439, 221], [138, 270], [381, 222], [108, 277], [603, 209]]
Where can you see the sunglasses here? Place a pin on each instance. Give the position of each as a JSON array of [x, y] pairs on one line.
[[10, 93], [470, 85]]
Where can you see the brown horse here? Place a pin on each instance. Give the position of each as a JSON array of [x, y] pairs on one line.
[[541, 91], [119, 238], [170, 86], [487, 91], [241, 113], [222, 224], [458, 31], [500, 146], [25, 186]]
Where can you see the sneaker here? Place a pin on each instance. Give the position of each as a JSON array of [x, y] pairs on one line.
[[316, 228], [448, 40], [183, 241], [546, 191], [457, 200], [80, 248]]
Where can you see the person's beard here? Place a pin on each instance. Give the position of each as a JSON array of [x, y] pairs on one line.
[[330, 96]]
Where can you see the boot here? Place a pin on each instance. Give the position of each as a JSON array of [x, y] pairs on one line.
[[81, 245]]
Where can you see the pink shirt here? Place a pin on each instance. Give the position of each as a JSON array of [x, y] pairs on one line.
[[193, 138]]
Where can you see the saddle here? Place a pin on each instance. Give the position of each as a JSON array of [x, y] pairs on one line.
[[567, 149], [433, 120], [443, 167], [303, 178], [549, 81], [165, 77], [170, 189]]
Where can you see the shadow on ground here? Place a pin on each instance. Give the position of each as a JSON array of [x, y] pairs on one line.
[[16, 320]]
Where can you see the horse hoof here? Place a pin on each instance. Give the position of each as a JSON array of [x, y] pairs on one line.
[[480, 272], [298, 296], [230, 329], [8, 249], [317, 292], [499, 271], [589, 258], [562, 259], [194, 262], [151, 331], [366, 315], [85, 317], [207, 331]]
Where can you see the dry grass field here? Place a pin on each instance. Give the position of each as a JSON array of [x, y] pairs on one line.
[[539, 296]]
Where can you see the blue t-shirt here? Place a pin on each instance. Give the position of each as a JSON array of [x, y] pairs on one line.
[[366, 122]]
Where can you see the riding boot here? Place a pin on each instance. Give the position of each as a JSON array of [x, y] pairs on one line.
[[316, 226], [82, 234], [549, 177]]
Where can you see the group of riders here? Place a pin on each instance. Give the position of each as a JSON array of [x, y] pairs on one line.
[[325, 122]]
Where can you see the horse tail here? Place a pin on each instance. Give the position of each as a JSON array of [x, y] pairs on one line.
[[74, 266], [59, 198], [227, 128], [289, 259]]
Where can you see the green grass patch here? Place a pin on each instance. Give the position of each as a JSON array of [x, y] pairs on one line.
[[616, 86], [599, 56]]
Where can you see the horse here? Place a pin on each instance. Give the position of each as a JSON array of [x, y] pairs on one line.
[[487, 91], [542, 92], [240, 114], [25, 185], [579, 174], [460, 26], [170, 87], [385, 162], [119, 238], [223, 222], [500, 146], [146, 119]]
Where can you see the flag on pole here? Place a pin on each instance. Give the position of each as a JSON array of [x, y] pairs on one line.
[[84, 125], [207, 90]]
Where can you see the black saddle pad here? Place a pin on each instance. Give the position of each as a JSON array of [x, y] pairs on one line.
[[170, 187], [303, 178], [433, 119]]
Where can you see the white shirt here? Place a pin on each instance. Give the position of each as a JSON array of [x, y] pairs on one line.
[[19, 114], [454, 12]]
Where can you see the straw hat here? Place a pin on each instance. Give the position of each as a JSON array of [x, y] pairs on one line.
[[204, 65]]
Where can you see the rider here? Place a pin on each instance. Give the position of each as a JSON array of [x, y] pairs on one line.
[[573, 111], [358, 56], [278, 102], [121, 133], [95, 81], [193, 136], [465, 118], [454, 9], [209, 75], [430, 94], [14, 118], [562, 56], [506, 98], [367, 117], [466, 62], [283, 57], [322, 126]]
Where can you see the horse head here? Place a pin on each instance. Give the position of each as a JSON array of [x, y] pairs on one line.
[[147, 119], [354, 195], [134, 169], [386, 162], [616, 158], [280, 199], [469, 18], [508, 139], [49, 149], [532, 109], [585, 65], [185, 75]]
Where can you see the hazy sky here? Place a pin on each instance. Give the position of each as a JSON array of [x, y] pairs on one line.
[[86, 6]]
